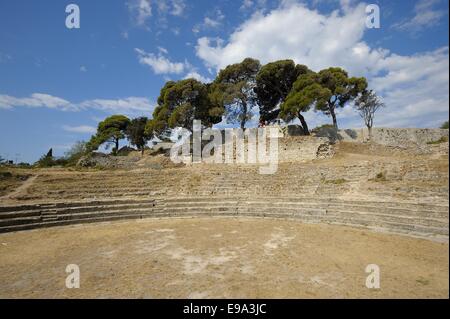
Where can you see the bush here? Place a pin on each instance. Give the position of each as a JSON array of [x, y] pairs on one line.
[[323, 127], [4, 175], [76, 152], [443, 139], [444, 126]]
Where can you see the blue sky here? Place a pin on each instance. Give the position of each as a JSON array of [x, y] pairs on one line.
[[56, 83]]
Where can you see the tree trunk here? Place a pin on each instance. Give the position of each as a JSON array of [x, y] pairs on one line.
[[333, 116], [117, 146], [304, 125], [370, 132], [244, 115], [243, 123]]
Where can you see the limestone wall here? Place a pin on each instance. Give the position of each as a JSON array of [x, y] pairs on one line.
[[386, 136], [294, 147]]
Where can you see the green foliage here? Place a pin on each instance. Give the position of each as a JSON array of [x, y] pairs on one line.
[[273, 83], [179, 104], [50, 153], [323, 129], [110, 130], [233, 90], [136, 133], [48, 160], [325, 91], [73, 155], [5, 175], [305, 93], [45, 161], [444, 125], [443, 139], [341, 90], [367, 103]]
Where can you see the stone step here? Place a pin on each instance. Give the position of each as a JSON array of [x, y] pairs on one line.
[[399, 210], [395, 216], [20, 227], [76, 204], [378, 217], [72, 218], [315, 200], [394, 227]]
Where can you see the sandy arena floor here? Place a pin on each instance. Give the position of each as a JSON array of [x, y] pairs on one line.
[[219, 258]]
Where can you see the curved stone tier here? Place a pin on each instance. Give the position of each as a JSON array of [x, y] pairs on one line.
[[420, 220]]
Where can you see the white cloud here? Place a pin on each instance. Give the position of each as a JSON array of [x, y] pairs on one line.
[[210, 22], [178, 7], [246, 4], [35, 100], [415, 88], [195, 75], [83, 129], [252, 4], [129, 105], [425, 16], [83, 68], [172, 7], [163, 50], [159, 63], [126, 105], [316, 40], [141, 10]]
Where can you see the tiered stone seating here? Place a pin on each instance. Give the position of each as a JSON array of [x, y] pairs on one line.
[[412, 200], [424, 220]]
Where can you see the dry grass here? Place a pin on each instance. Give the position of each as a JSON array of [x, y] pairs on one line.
[[219, 258], [10, 179]]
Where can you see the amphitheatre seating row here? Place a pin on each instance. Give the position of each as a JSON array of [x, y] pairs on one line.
[[423, 220], [416, 184]]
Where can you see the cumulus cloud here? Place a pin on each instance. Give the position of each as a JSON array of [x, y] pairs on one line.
[[160, 63], [415, 88], [426, 15], [129, 105], [296, 32]]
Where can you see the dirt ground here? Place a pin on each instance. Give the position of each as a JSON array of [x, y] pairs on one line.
[[219, 258]]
